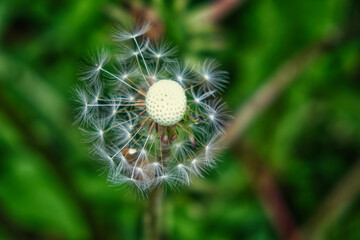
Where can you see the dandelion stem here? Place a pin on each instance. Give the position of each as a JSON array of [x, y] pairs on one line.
[[152, 217]]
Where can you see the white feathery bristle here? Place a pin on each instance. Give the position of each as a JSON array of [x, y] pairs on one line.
[[161, 50], [183, 73], [91, 68], [198, 166], [217, 115], [104, 157], [152, 119], [181, 173], [123, 34], [212, 78], [132, 50], [200, 96], [182, 150]]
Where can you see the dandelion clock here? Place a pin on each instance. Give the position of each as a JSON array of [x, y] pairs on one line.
[[152, 119]]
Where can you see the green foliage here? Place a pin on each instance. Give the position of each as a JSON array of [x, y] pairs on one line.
[[308, 139]]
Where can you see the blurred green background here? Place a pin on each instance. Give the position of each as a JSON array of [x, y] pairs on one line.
[[293, 174]]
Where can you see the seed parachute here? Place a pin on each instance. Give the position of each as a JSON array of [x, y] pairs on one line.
[[151, 118]]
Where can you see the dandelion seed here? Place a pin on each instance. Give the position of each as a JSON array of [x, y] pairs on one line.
[[123, 34], [91, 69], [161, 50], [214, 79], [152, 119]]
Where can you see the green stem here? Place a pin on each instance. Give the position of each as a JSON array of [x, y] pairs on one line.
[[153, 215]]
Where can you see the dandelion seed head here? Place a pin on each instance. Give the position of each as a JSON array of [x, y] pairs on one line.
[[152, 119], [166, 102]]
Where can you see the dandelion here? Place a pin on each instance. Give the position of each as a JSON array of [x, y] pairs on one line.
[[152, 119]]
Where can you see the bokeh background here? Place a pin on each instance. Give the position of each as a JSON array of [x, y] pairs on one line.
[[291, 172]]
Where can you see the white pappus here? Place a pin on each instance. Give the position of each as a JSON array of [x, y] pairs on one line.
[[151, 118]]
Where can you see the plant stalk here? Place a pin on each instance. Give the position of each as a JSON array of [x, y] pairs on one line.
[[153, 214]]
